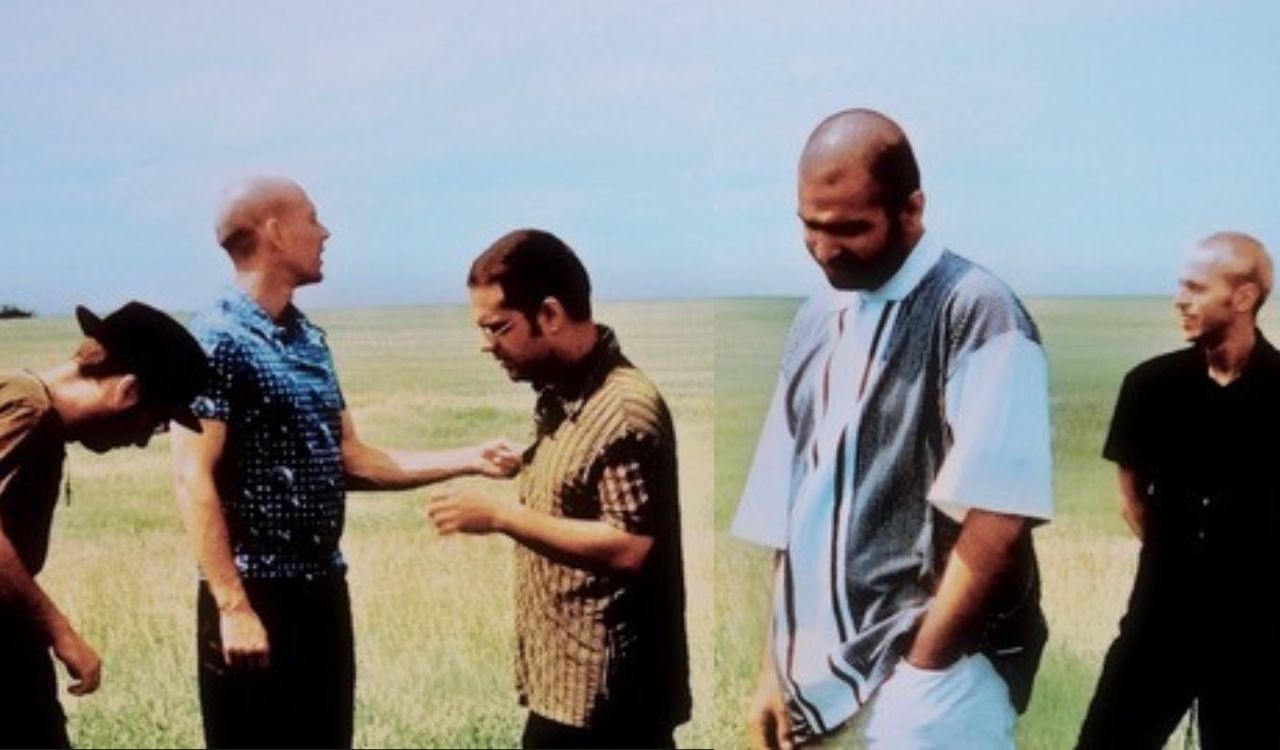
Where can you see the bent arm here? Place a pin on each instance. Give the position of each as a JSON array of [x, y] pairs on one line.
[[575, 541], [983, 555], [1133, 506], [369, 467], [570, 541]]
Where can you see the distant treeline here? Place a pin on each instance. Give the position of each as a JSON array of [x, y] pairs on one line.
[[13, 311]]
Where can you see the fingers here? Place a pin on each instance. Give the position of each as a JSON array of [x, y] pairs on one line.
[[86, 678], [768, 724], [769, 729], [504, 455], [247, 658], [244, 641], [781, 729], [443, 514]]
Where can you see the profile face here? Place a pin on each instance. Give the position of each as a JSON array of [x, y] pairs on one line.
[[1204, 302], [133, 425], [508, 335], [302, 237], [847, 231]]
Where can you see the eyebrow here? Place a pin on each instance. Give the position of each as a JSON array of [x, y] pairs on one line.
[[835, 227]]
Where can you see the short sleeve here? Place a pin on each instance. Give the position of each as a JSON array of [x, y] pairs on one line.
[[630, 481], [762, 515], [20, 412], [997, 410], [224, 364], [1123, 441]]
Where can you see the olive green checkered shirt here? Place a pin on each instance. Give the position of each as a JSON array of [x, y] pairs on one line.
[[591, 644]]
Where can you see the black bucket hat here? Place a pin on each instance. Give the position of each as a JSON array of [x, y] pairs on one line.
[[169, 364]]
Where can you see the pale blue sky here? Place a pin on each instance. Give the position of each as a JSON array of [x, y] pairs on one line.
[[1073, 148]]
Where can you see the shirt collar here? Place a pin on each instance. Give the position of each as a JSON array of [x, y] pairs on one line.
[[565, 396], [922, 258], [246, 310]]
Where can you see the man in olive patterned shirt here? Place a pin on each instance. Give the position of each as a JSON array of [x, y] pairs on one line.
[[601, 654]]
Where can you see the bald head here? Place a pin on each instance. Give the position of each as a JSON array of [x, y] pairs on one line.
[[1240, 258], [247, 205], [862, 141]]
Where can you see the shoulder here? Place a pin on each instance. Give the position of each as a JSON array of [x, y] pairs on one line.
[[23, 399], [635, 402], [24, 404], [807, 330], [974, 304], [1164, 367], [217, 332], [978, 292]]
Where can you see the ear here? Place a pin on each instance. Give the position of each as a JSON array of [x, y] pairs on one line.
[[124, 392], [913, 211], [272, 232], [1245, 297], [551, 315]]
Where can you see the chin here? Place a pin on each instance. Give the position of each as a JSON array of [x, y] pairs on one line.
[[100, 446], [847, 282]]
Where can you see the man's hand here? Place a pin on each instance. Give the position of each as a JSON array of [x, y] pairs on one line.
[[496, 459], [768, 726], [81, 661], [244, 640], [466, 513]]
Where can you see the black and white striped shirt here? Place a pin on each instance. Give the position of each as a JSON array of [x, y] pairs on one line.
[[896, 411]]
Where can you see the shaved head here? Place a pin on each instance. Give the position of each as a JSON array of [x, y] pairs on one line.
[[862, 141], [246, 205], [1239, 257]]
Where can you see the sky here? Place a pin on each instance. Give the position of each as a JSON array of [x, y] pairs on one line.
[[1072, 148]]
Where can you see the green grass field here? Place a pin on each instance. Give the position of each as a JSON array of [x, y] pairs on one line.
[[1087, 557], [433, 616]]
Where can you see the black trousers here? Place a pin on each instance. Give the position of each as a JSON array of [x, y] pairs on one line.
[[306, 697], [1155, 669], [30, 714], [631, 732]]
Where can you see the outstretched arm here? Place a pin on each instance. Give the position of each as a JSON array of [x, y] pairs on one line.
[[369, 467]]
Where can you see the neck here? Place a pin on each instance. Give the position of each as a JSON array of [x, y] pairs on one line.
[[70, 394], [1228, 357], [272, 293], [578, 344]]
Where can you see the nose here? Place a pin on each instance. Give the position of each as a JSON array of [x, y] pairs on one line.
[[324, 232], [486, 344], [823, 247]]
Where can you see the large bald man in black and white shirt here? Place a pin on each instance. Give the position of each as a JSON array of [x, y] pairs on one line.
[[903, 462]]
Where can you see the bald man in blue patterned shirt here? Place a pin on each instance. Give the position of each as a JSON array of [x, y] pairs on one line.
[[263, 488]]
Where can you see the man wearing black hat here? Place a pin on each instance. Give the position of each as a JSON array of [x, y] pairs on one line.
[[135, 369]]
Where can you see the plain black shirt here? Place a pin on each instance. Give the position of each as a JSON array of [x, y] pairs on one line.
[[1207, 458]]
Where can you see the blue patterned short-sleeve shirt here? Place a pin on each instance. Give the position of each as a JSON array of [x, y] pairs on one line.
[[280, 479]]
